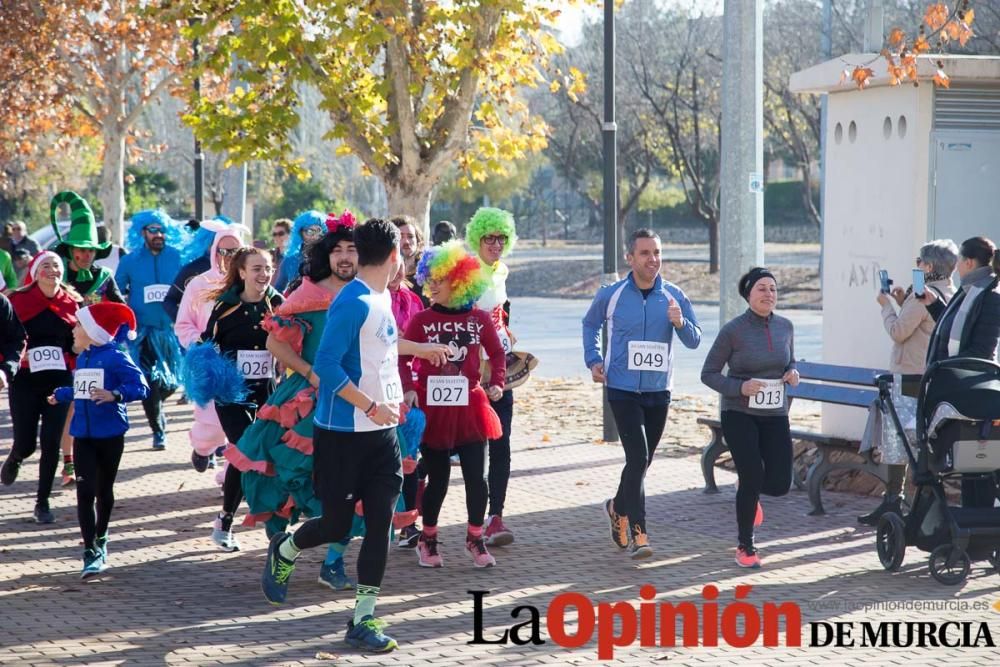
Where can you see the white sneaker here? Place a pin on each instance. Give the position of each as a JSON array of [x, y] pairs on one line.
[[224, 538]]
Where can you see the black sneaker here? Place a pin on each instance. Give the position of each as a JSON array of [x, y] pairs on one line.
[[43, 514], [8, 473], [199, 462]]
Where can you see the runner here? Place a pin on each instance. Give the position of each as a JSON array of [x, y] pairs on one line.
[[234, 330], [47, 308], [145, 274], [355, 449], [11, 343], [105, 380], [195, 259], [411, 243], [206, 435], [491, 233], [276, 451], [459, 416], [644, 313], [758, 346], [308, 228]]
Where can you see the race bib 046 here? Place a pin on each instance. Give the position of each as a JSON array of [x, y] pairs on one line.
[[155, 293], [255, 364], [771, 397], [644, 355], [85, 379], [448, 390], [46, 358]]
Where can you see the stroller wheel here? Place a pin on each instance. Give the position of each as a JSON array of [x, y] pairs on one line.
[[890, 541], [955, 573], [995, 560]]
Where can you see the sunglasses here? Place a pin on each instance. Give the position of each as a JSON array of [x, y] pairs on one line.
[[312, 232], [280, 232], [494, 240], [227, 252], [153, 230]]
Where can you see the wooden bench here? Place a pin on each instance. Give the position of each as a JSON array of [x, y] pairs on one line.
[[854, 387]]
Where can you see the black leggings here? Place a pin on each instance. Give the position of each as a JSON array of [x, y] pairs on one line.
[[349, 467], [438, 464], [641, 419], [761, 448], [97, 462], [152, 405], [29, 405], [499, 473], [235, 419]]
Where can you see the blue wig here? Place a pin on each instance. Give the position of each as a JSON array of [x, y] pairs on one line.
[[175, 236], [209, 376], [307, 219]]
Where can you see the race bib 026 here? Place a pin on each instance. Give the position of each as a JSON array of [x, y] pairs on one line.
[[155, 293], [644, 355], [46, 358], [255, 364], [771, 397], [448, 390], [85, 379]]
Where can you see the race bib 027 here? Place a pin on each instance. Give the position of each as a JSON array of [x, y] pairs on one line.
[[644, 355], [448, 390]]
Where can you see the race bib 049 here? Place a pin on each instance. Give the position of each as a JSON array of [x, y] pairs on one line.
[[155, 293], [644, 355], [46, 358], [255, 364], [771, 397], [85, 379], [448, 390]]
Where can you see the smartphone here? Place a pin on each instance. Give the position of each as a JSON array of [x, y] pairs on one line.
[[918, 283], [883, 277]]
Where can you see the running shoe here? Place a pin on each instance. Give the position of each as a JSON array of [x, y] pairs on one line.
[[758, 518], [93, 564], [427, 552], [618, 523], [277, 570], [102, 546], [497, 534], [159, 442], [223, 536], [639, 544], [211, 461], [408, 537], [8, 473], [199, 462], [747, 557], [68, 474], [476, 548], [368, 635], [334, 577], [43, 514]]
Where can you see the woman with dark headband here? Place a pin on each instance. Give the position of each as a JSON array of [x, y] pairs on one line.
[[759, 348]]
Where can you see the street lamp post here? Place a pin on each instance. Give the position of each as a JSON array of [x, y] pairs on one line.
[[610, 208]]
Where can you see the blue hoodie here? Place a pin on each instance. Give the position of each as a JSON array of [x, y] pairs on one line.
[[141, 269], [106, 420], [632, 317]]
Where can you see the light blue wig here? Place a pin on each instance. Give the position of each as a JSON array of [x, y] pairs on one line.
[[306, 219], [200, 242], [175, 236]]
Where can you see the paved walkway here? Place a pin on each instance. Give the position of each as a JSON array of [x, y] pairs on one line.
[[172, 599]]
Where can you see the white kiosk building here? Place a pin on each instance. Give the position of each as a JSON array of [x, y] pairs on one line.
[[904, 164]]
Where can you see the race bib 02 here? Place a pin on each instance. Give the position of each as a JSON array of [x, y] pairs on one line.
[[155, 293], [448, 390], [644, 355], [46, 358], [771, 397], [255, 364], [85, 379]]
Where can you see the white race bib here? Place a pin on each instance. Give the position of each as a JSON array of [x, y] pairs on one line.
[[644, 355], [46, 358], [155, 293], [255, 364], [448, 390], [392, 388], [771, 397], [85, 379]]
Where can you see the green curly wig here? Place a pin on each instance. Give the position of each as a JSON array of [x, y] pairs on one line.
[[489, 221]]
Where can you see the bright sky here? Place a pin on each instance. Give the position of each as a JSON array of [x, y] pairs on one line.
[[571, 20]]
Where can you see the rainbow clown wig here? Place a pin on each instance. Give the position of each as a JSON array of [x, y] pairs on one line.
[[451, 262], [490, 221]]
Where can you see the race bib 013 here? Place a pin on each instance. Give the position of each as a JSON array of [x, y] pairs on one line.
[[771, 397], [644, 355], [85, 379], [46, 358], [255, 364], [155, 293], [448, 390]]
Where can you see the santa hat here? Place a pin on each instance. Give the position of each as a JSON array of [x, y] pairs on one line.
[[108, 321], [36, 262]]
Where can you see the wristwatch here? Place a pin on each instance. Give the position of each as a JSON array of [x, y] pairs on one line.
[[117, 394]]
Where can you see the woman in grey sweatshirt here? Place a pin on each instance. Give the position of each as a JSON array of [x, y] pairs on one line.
[[758, 347]]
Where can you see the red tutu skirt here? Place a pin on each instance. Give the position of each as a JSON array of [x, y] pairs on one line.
[[449, 426]]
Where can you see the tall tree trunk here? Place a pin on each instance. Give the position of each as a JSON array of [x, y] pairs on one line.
[[713, 245], [112, 192], [407, 200]]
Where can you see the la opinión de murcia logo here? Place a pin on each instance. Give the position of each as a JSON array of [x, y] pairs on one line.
[[708, 623]]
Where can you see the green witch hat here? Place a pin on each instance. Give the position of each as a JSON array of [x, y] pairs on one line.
[[82, 229]]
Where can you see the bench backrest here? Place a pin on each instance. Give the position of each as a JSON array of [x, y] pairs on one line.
[[853, 395]]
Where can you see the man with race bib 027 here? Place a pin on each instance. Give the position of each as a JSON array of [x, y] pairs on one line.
[[645, 315]]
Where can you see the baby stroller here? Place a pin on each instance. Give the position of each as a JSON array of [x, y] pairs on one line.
[[957, 436]]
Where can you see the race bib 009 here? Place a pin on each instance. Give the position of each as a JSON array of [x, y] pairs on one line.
[[448, 390], [46, 358], [771, 397], [255, 364], [644, 355], [155, 293], [85, 379]]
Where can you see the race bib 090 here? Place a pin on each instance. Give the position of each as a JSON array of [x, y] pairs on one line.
[[771, 397], [46, 358], [644, 355], [448, 390], [255, 364], [85, 379]]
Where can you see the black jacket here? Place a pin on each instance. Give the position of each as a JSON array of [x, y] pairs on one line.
[[11, 339], [982, 329], [172, 302]]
